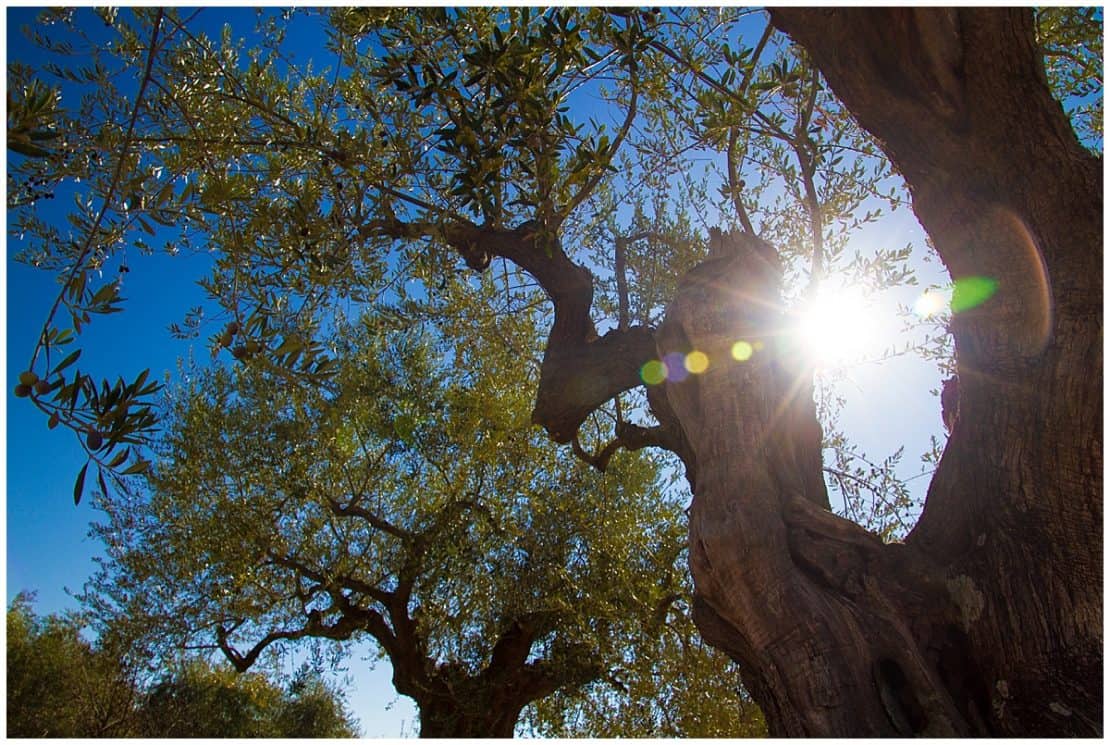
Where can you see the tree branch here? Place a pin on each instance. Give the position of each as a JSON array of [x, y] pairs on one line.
[[515, 643], [327, 583], [630, 437], [734, 184], [242, 662], [352, 620], [373, 520], [807, 160], [580, 371]]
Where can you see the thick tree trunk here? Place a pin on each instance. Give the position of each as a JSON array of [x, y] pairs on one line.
[[988, 620], [455, 719], [459, 703], [836, 633]]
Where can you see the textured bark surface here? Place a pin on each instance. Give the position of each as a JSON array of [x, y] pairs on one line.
[[451, 721], [470, 708], [836, 633], [988, 620], [457, 703]]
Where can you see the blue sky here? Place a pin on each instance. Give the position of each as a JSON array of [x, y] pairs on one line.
[[47, 546]]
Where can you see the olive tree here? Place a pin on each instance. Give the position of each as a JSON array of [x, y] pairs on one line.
[[445, 140]]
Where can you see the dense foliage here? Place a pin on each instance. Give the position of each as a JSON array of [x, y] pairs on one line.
[[1072, 42], [199, 700]]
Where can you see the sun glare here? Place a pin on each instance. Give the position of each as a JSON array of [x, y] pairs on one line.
[[837, 326], [930, 303]]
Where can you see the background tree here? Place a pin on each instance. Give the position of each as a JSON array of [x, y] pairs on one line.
[[198, 699], [310, 709], [463, 136], [60, 685]]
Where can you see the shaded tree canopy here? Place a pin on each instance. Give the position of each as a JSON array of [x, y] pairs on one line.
[[473, 140], [197, 699], [60, 685]]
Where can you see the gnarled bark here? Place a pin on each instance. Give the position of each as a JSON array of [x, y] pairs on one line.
[[835, 632], [456, 703], [988, 619]]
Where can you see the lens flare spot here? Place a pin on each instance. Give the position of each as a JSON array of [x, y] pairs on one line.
[[742, 351], [653, 372], [697, 362], [675, 363], [971, 292]]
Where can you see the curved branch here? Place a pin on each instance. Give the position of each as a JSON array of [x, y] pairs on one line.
[[373, 520], [351, 621], [599, 461], [630, 437], [328, 584], [580, 370], [242, 662]]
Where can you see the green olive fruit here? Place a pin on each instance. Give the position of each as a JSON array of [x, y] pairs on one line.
[[252, 347], [233, 328], [28, 378], [94, 440], [225, 339], [239, 352], [22, 390], [42, 388]]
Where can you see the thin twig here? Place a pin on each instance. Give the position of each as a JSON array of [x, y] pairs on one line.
[[805, 149], [734, 184], [622, 284]]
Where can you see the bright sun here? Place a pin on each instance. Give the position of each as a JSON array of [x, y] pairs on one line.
[[837, 326]]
